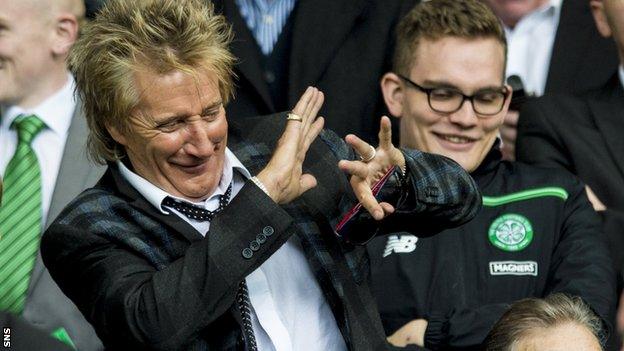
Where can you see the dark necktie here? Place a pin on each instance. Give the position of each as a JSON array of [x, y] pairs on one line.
[[195, 212], [242, 295]]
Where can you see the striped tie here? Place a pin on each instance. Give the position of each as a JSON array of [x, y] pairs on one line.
[[20, 216]]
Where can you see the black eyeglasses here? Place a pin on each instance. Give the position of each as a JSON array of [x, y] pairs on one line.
[[486, 102]]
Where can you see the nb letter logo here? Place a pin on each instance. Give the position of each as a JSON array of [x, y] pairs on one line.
[[402, 244]]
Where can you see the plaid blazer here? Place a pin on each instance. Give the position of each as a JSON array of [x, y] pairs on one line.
[[149, 281]]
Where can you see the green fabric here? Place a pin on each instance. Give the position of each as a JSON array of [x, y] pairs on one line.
[[61, 335], [492, 201], [20, 216]]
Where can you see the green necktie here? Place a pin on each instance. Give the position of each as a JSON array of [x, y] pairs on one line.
[[20, 216]]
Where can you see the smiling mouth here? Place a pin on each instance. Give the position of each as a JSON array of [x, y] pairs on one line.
[[193, 168], [456, 139]]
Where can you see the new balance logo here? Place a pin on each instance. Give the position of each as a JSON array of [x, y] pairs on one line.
[[402, 244], [513, 268]]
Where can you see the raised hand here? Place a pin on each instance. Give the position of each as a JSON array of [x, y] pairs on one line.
[[373, 165], [283, 176]]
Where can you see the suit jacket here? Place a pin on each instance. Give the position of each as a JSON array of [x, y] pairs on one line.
[[343, 47], [150, 281], [581, 60], [46, 307], [22, 336], [583, 135]]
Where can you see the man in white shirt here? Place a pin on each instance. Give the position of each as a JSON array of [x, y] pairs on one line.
[[553, 47], [35, 38]]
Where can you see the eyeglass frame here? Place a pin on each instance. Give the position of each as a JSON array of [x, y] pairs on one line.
[[504, 90]]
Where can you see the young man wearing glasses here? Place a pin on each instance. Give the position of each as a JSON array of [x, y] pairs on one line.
[[536, 233]]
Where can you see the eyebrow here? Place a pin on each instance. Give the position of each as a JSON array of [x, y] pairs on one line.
[[448, 85]]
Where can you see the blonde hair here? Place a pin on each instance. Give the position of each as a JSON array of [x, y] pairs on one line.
[[436, 19], [528, 315], [160, 36]]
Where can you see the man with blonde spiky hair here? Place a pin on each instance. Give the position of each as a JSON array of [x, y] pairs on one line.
[[42, 160], [205, 234]]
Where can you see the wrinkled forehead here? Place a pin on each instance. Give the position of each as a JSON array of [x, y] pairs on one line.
[[176, 92]]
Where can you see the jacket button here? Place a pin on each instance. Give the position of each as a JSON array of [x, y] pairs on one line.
[[254, 245], [247, 253], [261, 238], [268, 230]]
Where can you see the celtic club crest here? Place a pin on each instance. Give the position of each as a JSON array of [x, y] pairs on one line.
[[511, 232]]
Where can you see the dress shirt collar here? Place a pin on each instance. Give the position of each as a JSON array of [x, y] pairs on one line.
[[551, 9], [621, 75], [156, 195], [55, 112]]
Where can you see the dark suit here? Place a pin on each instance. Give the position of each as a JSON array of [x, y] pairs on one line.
[[343, 47], [581, 59], [46, 307], [584, 136], [147, 280]]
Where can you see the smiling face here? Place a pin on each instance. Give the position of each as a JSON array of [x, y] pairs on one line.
[[178, 133], [466, 65]]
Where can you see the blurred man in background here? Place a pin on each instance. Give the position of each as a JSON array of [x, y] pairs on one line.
[[42, 158], [553, 47], [341, 46], [583, 134]]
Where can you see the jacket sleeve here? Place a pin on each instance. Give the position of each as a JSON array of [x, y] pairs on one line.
[[580, 266], [133, 302], [438, 195], [435, 195], [538, 140], [581, 263]]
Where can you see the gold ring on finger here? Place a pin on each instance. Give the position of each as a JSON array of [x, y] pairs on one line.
[[294, 117]]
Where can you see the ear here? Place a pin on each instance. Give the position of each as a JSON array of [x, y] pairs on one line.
[[507, 99], [117, 135], [65, 33], [597, 9], [393, 93]]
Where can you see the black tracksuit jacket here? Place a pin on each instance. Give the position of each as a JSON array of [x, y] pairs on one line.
[[536, 234]]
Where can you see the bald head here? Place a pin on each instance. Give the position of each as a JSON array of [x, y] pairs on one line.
[[35, 41], [53, 8]]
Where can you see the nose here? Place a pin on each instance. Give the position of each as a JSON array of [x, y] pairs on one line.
[[465, 117], [197, 143]]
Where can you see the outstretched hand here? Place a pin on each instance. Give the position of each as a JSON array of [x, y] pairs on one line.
[[365, 174], [282, 176]]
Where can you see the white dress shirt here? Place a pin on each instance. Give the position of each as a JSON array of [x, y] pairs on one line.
[[289, 310], [529, 46], [56, 112], [621, 75]]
